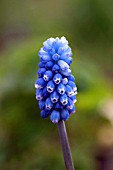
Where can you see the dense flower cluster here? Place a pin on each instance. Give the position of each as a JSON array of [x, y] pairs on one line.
[[55, 87]]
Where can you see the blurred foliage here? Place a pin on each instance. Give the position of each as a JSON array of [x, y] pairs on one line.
[[26, 141], [88, 23]]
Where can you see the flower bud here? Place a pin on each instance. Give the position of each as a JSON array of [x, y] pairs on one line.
[[63, 65], [48, 104], [73, 98], [48, 75], [55, 116], [39, 94], [64, 80], [41, 72], [69, 104], [72, 84], [41, 104], [49, 65], [69, 91], [40, 83], [55, 57], [55, 68], [43, 114], [64, 114]]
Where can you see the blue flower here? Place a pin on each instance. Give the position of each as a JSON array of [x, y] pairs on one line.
[[55, 87], [64, 99], [41, 65], [44, 113], [50, 86], [64, 80], [57, 78], [55, 57], [54, 97], [41, 104], [49, 65], [64, 114], [63, 65], [48, 75], [69, 91], [61, 88], [39, 94], [71, 111], [71, 77], [69, 104], [41, 72], [55, 68], [48, 104], [66, 72], [40, 83], [55, 116], [73, 98]]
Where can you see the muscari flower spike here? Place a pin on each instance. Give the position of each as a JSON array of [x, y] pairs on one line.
[[55, 86]]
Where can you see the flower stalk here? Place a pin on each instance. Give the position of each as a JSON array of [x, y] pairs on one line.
[[65, 146], [56, 89]]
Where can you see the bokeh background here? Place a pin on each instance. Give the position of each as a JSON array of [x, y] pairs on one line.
[[26, 141]]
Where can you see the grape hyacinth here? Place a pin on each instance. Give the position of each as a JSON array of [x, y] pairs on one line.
[[55, 86]]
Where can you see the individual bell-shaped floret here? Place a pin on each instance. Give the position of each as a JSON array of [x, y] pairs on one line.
[[54, 97], [45, 92], [44, 55], [65, 55], [41, 65], [44, 114], [55, 57], [55, 116], [61, 88], [66, 72], [51, 51], [63, 41], [62, 50], [40, 83], [48, 75], [48, 104], [58, 106], [50, 86], [64, 114], [39, 94], [68, 60], [49, 65], [41, 72], [64, 99], [63, 65], [55, 68], [57, 78], [71, 111], [71, 77], [69, 90], [72, 84], [41, 104], [69, 104], [73, 98], [64, 80]]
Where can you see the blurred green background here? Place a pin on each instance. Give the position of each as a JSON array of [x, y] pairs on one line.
[[26, 141]]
